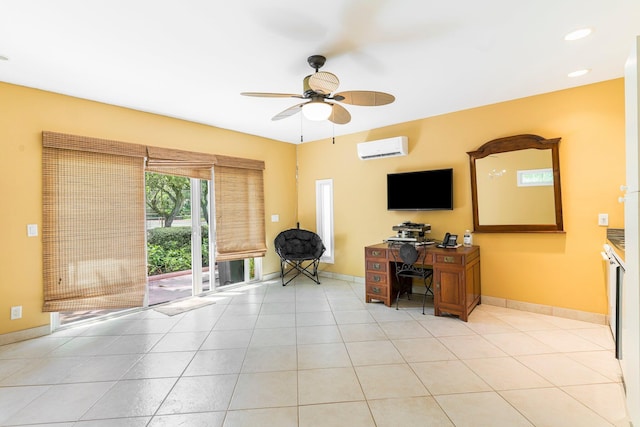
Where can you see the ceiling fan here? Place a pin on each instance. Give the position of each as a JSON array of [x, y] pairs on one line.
[[318, 90]]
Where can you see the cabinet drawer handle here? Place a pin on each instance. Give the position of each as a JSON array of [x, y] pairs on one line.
[[376, 266], [375, 290], [376, 278], [449, 259], [375, 253]]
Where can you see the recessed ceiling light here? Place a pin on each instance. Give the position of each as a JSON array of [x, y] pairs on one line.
[[578, 34], [579, 73]]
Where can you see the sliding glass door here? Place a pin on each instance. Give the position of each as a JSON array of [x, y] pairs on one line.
[[178, 237], [180, 245]]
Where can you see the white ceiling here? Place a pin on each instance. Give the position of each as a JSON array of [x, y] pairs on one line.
[[190, 59]]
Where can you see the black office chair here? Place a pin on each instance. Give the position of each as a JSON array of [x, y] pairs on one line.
[[410, 264], [301, 251]]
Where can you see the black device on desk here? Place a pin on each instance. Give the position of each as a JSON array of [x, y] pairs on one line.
[[410, 232], [449, 241]]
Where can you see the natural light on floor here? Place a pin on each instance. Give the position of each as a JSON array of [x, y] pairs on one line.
[[311, 355]]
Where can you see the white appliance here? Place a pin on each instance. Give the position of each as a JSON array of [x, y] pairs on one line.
[[615, 290], [630, 299], [389, 147]]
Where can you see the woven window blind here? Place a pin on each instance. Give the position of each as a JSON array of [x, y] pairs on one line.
[[93, 229], [181, 163], [94, 212], [239, 207]]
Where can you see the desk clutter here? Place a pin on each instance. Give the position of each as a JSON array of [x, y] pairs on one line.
[[410, 232], [415, 233]]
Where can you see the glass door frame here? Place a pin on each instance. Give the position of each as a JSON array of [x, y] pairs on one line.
[[196, 237]]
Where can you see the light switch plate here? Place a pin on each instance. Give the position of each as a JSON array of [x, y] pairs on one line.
[[16, 312], [275, 218], [603, 219], [32, 230]]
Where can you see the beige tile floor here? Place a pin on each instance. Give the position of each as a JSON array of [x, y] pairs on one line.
[[315, 355]]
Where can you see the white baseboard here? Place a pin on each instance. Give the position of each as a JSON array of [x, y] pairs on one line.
[[338, 276], [567, 313], [270, 276], [25, 334]]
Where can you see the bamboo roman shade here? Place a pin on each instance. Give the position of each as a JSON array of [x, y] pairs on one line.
[[192, 164], [182, 163], [239, 207], [239, 197], [93, 228], [94, 252]]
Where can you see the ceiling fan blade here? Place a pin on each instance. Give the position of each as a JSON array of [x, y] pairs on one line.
[[288, 112], [323, 82], [272, 95], [365, 97], [339, 114]]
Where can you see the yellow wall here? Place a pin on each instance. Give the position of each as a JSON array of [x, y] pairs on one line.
[[25, 113], [562, 270]]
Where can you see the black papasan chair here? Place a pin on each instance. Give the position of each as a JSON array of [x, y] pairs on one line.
[[301, 251]]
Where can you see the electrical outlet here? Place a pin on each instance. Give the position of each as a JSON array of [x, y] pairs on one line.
[[16, 312], [603, 219]]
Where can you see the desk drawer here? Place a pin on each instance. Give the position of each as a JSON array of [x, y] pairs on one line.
[[454, 259], [377, 291], [377, 265], [428, 259], [376, 278], [379, 253]]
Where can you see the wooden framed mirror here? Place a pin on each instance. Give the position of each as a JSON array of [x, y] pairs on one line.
[[515, 185]]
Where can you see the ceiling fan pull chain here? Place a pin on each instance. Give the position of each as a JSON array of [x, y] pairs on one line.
[[333, 129]]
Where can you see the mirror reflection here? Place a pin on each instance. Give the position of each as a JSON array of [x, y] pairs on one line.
[[516, 185], [511, 189]]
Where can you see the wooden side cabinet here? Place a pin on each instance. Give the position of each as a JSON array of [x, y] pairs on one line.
[[456, 278], [456, 282]]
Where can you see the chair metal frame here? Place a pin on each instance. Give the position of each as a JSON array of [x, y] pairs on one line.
[[409, 264], [300, 263]]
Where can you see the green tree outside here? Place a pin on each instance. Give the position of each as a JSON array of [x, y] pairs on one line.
[[167, 196]]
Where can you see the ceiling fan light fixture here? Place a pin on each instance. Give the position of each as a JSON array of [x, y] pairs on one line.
[[316, 110]]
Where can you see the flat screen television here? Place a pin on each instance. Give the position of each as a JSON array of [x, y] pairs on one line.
[[420, 191]]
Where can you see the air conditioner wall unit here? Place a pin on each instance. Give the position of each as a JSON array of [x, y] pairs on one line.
[[389, 147]]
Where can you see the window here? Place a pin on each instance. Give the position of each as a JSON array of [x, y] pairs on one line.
[[535, 177], [324, 217], [239, 197]]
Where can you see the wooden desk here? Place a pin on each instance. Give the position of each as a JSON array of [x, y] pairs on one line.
[[456, 277]]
